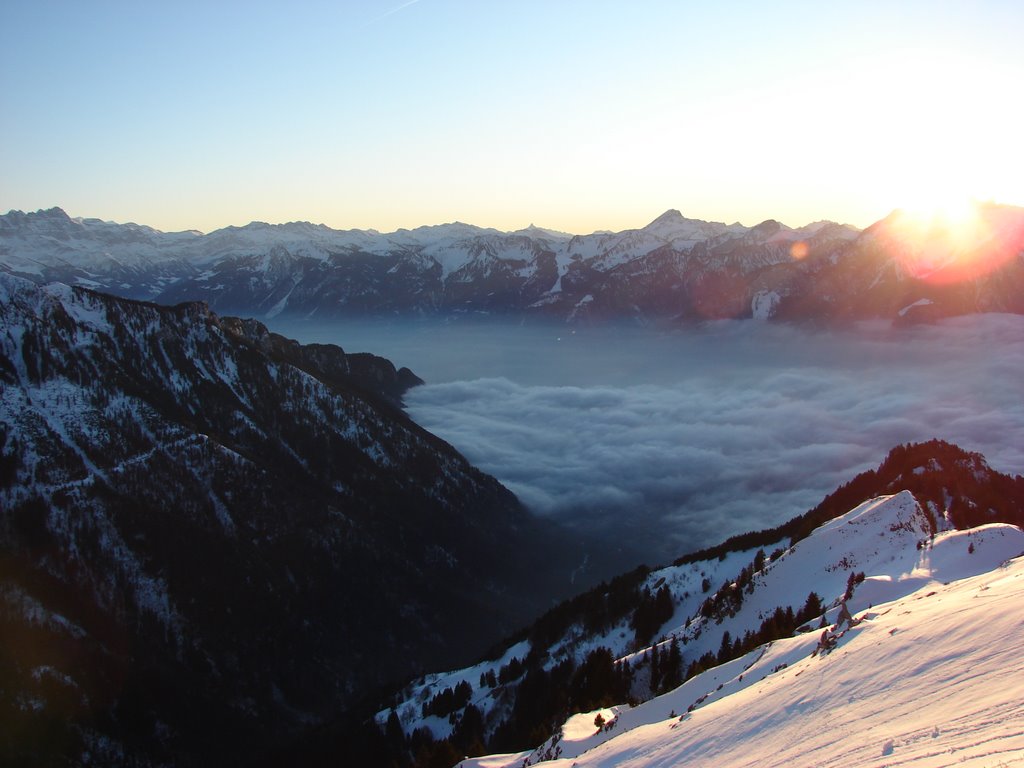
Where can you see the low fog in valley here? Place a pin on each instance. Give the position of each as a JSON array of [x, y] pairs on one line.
[[676, 438]]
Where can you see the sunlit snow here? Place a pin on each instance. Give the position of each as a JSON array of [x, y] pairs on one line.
[[930, 674]]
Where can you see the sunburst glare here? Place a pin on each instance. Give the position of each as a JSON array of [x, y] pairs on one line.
[[948, 239]]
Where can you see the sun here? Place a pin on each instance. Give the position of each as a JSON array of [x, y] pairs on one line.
[[948, 238], [943, 225], [937, 208]]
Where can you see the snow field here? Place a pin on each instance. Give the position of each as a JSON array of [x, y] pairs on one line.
[[930, 673], [933, 679]]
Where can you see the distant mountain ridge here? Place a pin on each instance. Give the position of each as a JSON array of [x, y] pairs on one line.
[[672, 268]]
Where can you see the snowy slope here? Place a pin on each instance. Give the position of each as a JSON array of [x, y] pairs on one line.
[[889, 539], [932, 678], [930, 674]]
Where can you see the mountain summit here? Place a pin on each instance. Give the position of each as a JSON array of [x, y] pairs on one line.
[[670, 218]]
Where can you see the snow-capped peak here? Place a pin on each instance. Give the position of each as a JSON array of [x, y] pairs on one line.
[[534, 231], [670, 218]]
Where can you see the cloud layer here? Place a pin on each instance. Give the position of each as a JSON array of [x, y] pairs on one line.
[[673, 441]]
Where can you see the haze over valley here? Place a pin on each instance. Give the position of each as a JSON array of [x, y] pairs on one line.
[[687, 435]]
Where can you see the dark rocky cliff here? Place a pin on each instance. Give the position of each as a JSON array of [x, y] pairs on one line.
[[212, 538]]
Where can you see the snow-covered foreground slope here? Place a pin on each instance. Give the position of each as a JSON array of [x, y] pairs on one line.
[[930, 674], [627, 647]]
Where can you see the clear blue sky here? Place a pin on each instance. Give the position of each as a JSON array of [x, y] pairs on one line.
[[571, 115]]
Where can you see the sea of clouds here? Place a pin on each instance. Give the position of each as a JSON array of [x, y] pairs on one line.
[[675, 439]]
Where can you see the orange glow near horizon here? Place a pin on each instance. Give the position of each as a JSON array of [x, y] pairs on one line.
[[953, 241]]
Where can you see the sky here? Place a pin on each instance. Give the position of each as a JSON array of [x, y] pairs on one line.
[[672, 441], [571, 115]]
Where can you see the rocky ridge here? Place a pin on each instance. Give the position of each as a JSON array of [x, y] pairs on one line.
[[212, 537]]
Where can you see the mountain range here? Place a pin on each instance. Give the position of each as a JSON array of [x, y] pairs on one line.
[[901, 268]]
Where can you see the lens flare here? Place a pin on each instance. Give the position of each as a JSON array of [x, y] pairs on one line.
[[952, 240]]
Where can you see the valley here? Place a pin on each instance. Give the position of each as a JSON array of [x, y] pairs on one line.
[[682, 436]]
